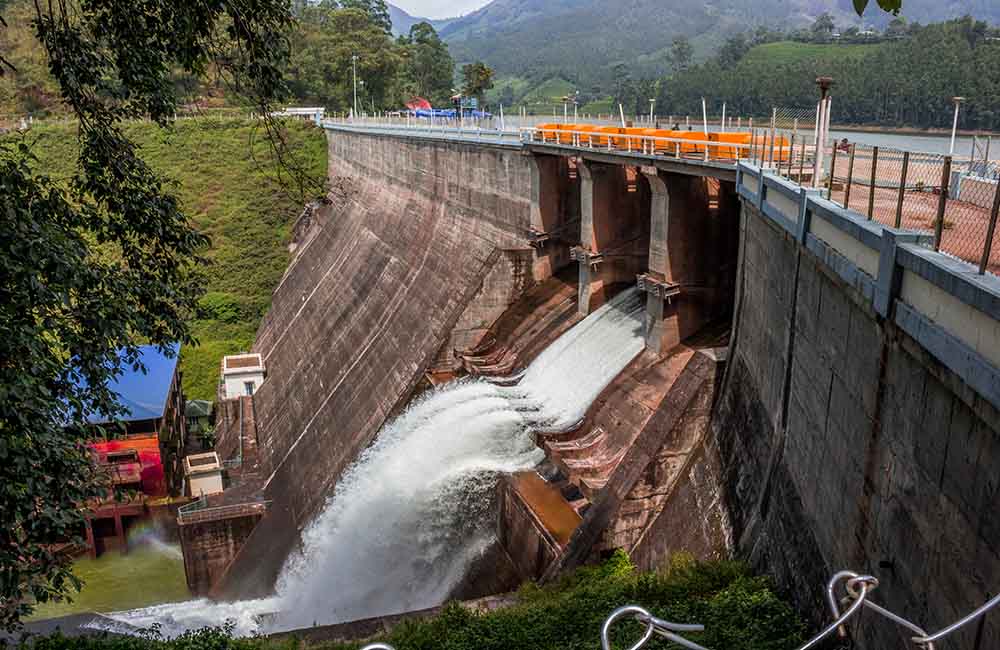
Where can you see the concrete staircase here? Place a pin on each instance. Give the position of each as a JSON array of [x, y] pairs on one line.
[[546, 311], [589, 455]]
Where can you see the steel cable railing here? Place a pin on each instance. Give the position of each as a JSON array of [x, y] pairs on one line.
[[857, 588]]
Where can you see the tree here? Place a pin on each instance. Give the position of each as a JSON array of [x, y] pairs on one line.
[[377, 10], [321, 69], [477, 79], [734, 49], [91, 269], [681, 53], [823, 27], [897, 27], [429, 68]]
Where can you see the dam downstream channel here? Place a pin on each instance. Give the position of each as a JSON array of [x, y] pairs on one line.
[[415, 510]]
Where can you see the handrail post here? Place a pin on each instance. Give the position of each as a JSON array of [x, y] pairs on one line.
[[902, 189], [871, 187], [990, 231], [942, 203]]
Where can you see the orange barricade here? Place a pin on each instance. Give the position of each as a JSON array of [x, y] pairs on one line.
[[610, 131], [585, 138], [730, 153], [636, 141], [566, 133], [663, 146], [547, 132], [693, 149]]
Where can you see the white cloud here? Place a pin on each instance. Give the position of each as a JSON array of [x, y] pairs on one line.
[[439, 8]]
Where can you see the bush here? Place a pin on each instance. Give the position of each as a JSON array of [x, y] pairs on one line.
[[739, 612]]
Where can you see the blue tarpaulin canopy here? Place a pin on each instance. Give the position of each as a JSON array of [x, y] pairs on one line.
[[144, 395], [449, 113]]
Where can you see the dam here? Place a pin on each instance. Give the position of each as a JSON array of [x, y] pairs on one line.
[[623, 350]]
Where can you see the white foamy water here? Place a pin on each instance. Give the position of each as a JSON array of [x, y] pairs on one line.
[[413, 512]]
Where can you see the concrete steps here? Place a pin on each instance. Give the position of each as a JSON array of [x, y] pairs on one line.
[[524, 330], [588, 455]]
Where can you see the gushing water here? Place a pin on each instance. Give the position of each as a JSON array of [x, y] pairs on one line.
[[414, 510]]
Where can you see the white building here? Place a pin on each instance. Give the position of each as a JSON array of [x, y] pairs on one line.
[[242, 374], [204, 474]]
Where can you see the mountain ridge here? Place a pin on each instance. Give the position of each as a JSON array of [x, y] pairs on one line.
[[402, 21], [552, 37]]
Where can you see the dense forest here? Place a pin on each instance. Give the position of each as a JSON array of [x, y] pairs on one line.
[[904, 75], [908, 80], [326, 36]]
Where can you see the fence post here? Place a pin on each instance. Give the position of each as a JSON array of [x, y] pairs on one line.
[[850, 177], [871, 189], [791, 157], [942, 202], [990, 231], [833, 173], [802, 160], [902, 189]]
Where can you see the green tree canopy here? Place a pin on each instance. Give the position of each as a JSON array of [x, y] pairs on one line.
[[92, 269], [681, 53], [321, 67], [428, 70], [477, 78]]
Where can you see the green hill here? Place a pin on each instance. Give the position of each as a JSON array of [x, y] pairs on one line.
[[583, 39], [786, 52], [228, 184]]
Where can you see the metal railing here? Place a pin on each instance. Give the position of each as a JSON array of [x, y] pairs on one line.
[[857, 589], [955, 200], [475, 134], [790, 154], [199, 511]]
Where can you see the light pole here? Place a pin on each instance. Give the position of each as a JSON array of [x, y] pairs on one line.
[[354, 66], [954, 125], [824, 84], [652, 103]]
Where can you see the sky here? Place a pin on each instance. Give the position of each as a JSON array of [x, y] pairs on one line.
[[438, 8]]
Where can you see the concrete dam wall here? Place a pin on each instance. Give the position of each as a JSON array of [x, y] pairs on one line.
[[423, 246], [852, 423], [858, 424]]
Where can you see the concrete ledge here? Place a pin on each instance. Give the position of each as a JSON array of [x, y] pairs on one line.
[[843, 267], [982, 376], [974, 328], [860, 254], [867, 232], [958, 278]]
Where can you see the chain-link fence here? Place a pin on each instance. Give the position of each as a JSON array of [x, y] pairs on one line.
[[954, 200]]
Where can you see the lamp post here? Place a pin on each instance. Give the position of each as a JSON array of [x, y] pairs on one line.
[[354, 66], [652, 103], [954, 124], [824, 84]]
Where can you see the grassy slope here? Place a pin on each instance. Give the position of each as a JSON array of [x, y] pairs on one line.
[[784, 52], [231, 191]]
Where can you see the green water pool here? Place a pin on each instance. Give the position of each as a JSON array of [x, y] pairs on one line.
[[147, 575]]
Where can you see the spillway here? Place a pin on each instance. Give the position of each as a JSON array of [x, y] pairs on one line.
[[416, 508]]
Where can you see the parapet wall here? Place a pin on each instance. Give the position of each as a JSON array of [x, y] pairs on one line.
[[370, 298], [858, 426]]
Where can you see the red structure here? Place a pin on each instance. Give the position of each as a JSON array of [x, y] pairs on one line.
[[144, 450]]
